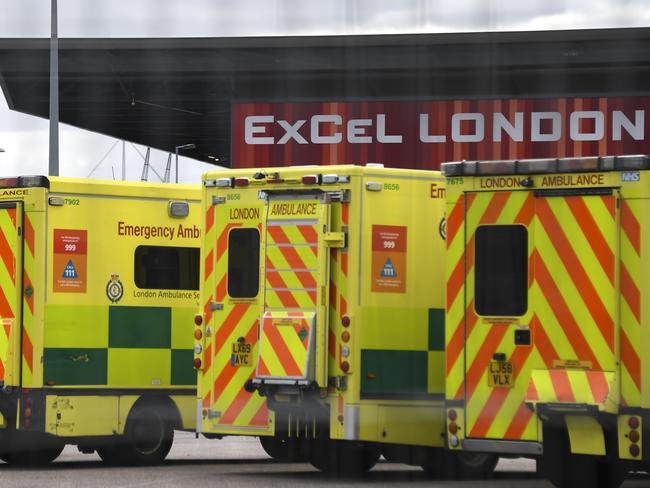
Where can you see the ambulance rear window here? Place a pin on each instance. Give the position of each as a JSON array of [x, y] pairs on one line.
[[167, 268], [243, 263], [501, 270]]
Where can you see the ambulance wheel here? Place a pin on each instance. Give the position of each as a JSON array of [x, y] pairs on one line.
[[441, 464], [276, 447], [147, 439], [566, 470], [40, 457], [343, 458], [476, 465], [149, 436]]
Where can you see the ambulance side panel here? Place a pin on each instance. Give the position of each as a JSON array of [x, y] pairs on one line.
[[391, 286], [122, 280]]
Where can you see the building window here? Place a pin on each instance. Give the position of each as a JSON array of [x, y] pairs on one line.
[[501, 270], [167, 268], [243, 263]]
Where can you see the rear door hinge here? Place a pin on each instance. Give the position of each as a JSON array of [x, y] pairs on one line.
[[334, 239], [215, 306], [213, 414]]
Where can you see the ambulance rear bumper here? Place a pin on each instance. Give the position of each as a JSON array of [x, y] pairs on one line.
[[281, 382], [522, 448]]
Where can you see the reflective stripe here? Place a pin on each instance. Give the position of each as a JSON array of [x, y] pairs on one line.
[[285, 345], [569, 386], [571, 306]]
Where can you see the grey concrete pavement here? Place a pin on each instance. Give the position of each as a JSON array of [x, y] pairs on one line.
[[240, 462]]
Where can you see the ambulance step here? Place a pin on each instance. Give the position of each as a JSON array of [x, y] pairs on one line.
[[502, 447]]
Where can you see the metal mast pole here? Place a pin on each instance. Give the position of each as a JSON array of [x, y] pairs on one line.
[[54, 95], [168, 168], [176, 172], [123, 161]]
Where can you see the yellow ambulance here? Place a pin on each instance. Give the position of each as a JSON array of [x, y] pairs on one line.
[[546, 324], [99, 282], [322, 320]]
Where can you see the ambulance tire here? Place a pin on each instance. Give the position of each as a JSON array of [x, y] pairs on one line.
[[277, 447], [284, 449], [566, 470], [147, 438], [459, 465], [347, 459], [33, 458], [587, 472], [475, 465]]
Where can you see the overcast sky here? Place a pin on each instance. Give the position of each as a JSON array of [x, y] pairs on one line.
[[25, 138]]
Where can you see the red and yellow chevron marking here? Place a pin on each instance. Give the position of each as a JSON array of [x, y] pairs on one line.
[[8, 286], [455, 303], [502, 411], [338, 288], [204, 389], [291, 264], [567, 304], [630, 305], [221, 383], [284, 345], [569, 386], [28, 302], [237, 406]]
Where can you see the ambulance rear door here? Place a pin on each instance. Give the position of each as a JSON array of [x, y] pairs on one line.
[[499, 245], [294, 329], [232, 287], [541, 306], [11, 291]]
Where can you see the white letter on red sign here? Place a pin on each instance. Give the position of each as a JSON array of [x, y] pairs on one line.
[[357, 131], [501, 123], [536, 122], [316, 120], [576, 133], [479, 127], [291, 132], [381, 132], [250, 129], [636, 130], [424, 131]]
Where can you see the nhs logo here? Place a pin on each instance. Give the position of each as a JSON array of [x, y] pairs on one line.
[[630, 176]]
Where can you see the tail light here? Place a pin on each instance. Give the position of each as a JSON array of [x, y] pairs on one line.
[[197, 363], [198, 319], [198, 335], [345, 366], [633, 436], [241, 182], [452, 415], [345, 321], [310, 180], [345, 336], [330, 179]]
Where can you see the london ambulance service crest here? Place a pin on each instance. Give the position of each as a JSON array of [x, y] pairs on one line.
[[114, 288]]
